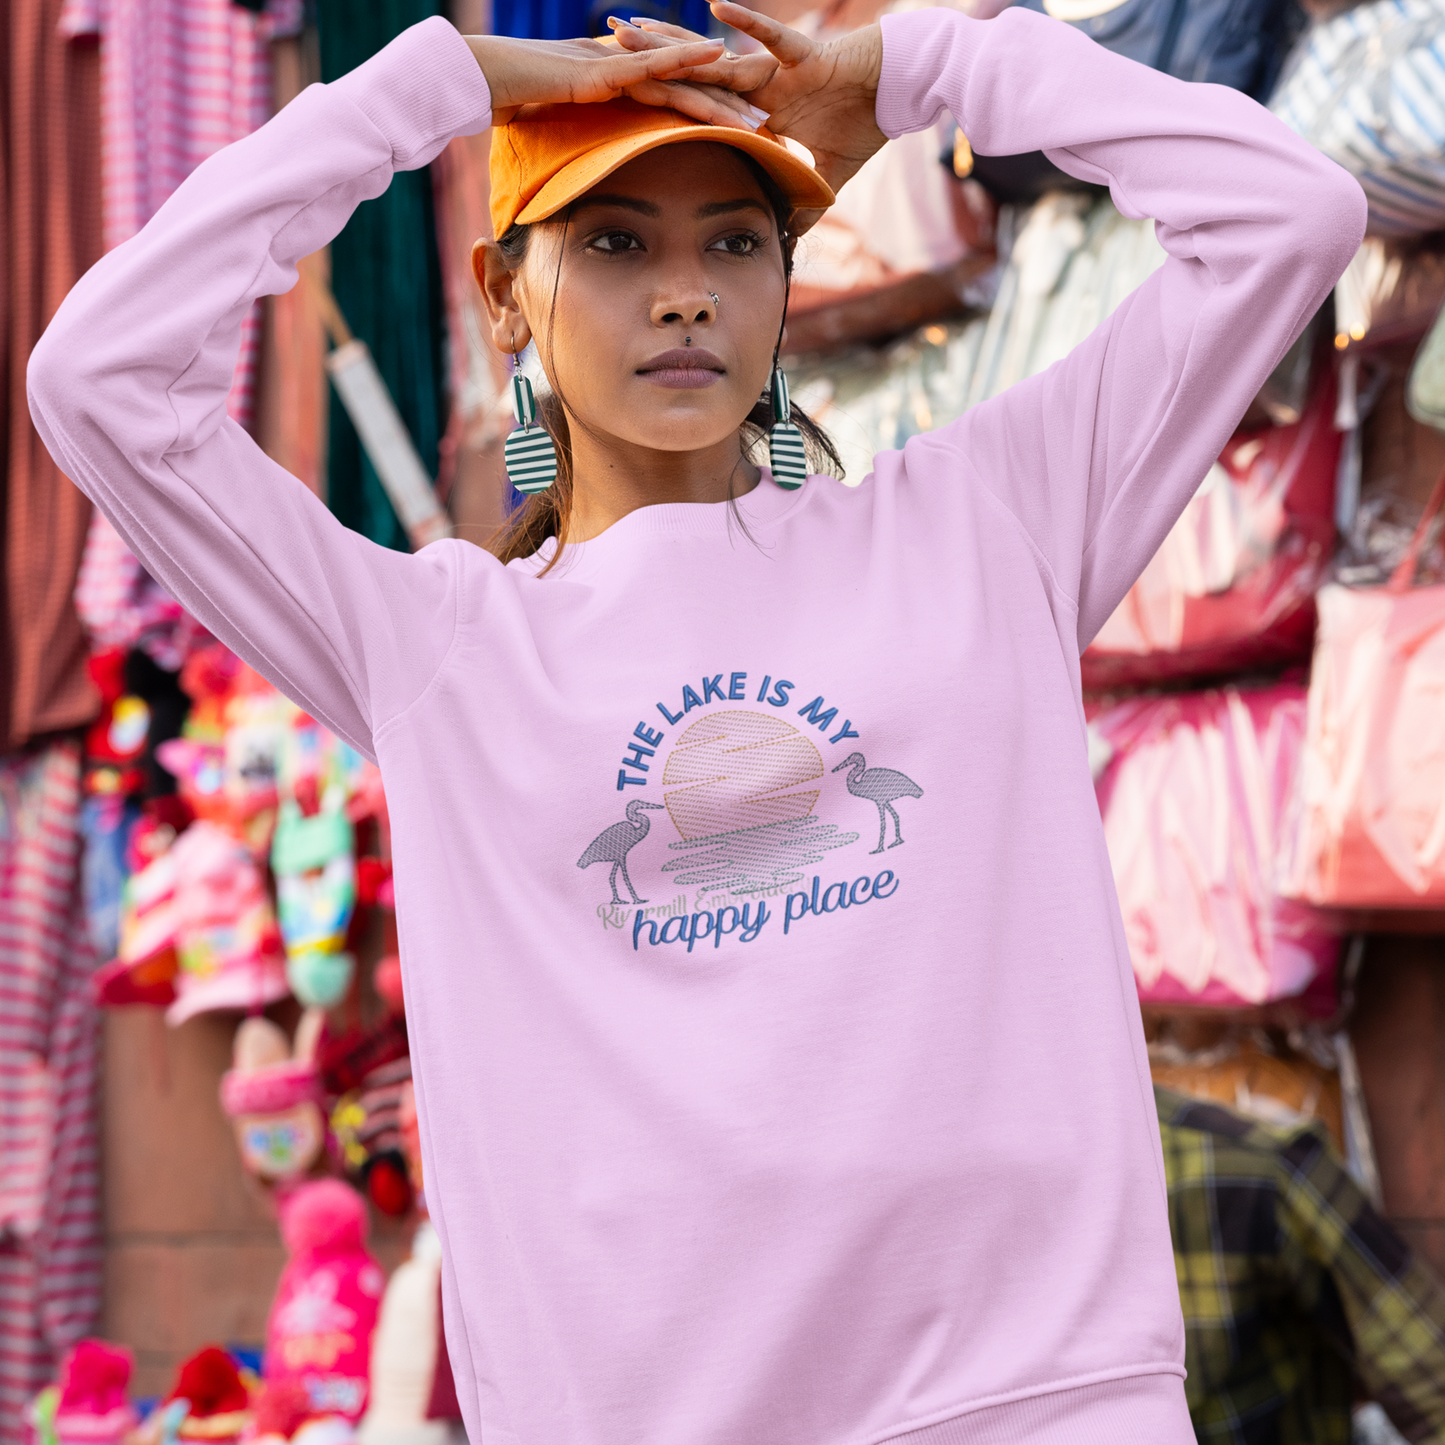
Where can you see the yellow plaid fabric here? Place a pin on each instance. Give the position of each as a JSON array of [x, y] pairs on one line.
[[1298, 1297]]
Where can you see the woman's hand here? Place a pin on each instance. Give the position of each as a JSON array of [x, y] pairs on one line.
[[540, 72], [822, 96]]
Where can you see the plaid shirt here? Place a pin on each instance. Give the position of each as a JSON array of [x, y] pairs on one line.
[[1295, 1291]]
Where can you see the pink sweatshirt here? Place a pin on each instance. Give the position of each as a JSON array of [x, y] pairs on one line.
[[775, 1038]]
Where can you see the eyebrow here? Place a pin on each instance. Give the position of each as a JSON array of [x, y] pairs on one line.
[[721, 208], [627, 203], [650, 209]]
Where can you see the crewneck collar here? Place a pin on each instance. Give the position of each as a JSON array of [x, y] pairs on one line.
[[764, 506]]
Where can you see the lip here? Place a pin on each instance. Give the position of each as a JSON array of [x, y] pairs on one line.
[[683, 367]]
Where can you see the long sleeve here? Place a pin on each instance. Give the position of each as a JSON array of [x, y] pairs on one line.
[[1097, 456], [128, 390]]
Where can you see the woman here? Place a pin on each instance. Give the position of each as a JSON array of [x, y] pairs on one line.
[[775, 1036]]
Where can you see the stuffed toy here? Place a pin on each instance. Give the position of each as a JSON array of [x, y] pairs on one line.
[[88, 1405], [327, 1301], [272, 1095], [410, 1131], [386, 978], [284, 1417], [229, 777], [315, 867], [217, 1396], [313, 857], [116, 740], [366, 1123]]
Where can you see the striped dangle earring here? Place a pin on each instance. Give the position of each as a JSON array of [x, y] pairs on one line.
[[785, 441], [530, 453]]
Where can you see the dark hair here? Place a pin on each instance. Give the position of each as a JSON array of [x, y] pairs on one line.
[[546, 514]]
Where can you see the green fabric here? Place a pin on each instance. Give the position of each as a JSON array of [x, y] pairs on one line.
[[1292, 1286], [387, 281]]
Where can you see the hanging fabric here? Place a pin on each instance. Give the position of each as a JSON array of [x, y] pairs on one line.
[[1193, 789], [179, 80], [50, 1227], [49, 235], [387, 281], [1232, 587], [478, 378], [567, 19], [1368, 89], [1369, 817]]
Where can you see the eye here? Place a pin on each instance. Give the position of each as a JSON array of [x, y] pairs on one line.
[[613, 243], [739, 243]]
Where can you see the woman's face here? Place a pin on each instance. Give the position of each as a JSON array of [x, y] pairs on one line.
[[626, 325]]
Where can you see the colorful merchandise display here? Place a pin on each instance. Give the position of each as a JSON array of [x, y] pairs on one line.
[[1263, 707]]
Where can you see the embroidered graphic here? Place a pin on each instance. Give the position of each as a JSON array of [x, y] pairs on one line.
[[743, 788], [612, 845], [880, 786], [733, 791]]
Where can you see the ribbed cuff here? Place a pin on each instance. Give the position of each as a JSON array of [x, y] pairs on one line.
[[1134, 1410], [420, 91], [927, 56]]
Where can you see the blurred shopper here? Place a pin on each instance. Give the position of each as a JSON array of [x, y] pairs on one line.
[[1298, 1297]]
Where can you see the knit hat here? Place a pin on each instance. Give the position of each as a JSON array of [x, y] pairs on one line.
[[220, 1402], [227, 941], [92, 1408], [327, 1300], [548, 155]]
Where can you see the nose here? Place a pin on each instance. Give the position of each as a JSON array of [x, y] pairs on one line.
[[684, 307]]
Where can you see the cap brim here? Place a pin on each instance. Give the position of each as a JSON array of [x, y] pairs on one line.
[[798, 181]]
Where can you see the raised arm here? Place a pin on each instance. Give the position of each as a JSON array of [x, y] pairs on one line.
[[128, 385], [1097, 456]]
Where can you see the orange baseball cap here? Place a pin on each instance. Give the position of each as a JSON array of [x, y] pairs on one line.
[[548, 155]]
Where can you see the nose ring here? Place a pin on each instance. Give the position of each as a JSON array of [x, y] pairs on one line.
[[715, 302]]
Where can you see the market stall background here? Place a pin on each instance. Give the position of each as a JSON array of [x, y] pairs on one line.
[[197, 932]]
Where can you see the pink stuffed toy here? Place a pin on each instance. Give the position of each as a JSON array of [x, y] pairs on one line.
[[327, 1301]]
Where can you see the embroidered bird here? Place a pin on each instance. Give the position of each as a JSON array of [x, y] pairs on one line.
[[612, 845], [880, 786]]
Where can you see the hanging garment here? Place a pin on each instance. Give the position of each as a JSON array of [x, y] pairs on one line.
[[1389, 293], [1368, 88], [179, 80], [1193, 788], [1071, 261], [122, 605], [1369, 819], [387, 280], [565, 19], [1239, 43], [49, 235], [50, 1231], [1222, 42], [903, 241], [1233, 585], [480, 376]]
